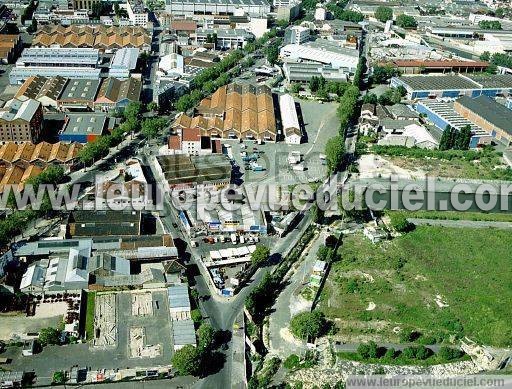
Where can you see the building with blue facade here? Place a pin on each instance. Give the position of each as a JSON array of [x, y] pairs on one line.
[[443, 114], [453, 86], [83, 127]]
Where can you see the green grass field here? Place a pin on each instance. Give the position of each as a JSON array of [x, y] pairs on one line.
[[439, 281], [452, 215], [89, 316]]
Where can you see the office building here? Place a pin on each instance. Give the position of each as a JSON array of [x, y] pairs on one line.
[[226, 38], [217, 7], [137, 13], [296, 35]]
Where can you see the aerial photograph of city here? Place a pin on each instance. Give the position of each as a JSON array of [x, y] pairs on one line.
[[255, 194]]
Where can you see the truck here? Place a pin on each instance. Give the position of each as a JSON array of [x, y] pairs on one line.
[[233, 238], [299, 167], [294, 157], [242, 239]]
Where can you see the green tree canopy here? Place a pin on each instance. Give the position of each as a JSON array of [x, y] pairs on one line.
[[151, 127], [187, 360], [307, 325], [49, 336], [383, 14], [260, 255], [206, 336], [489, 25], [334, 152], [406, 21]]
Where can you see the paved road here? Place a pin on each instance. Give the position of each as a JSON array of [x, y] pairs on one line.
[[287, 305]]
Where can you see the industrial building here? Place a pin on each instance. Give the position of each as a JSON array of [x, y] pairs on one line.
[[41, 154], [21, 121], [322, 52], [46, 90], [117, 94], [187, 172], [99, 37], [443, 114], [219, 7], [489, 115], [411, 66], [302, 72], [235, 111], [123, 62], [104, 223], [10, 47], [289, 119], [78, 94], [454, 86], [51, 62], [83, 127]]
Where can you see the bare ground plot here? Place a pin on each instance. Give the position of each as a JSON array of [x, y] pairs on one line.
[[439, 281]]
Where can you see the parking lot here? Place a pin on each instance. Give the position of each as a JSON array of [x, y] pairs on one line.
[[320, 124]]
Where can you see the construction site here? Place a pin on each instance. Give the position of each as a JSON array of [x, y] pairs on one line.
[[136, 324]]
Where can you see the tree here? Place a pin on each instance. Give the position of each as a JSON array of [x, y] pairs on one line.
[[272, 54], [370, 98], [390, 97], [187, 360], [368, 350], [449, 354], [406, 21], [334, 152], [489, 25], [314, 84], [196, 316], [485, 56], [49, 335], [151, 127], [296, 87], [400, 223], [152, 106], [58, 377], [382, 74], [205, 336], [307, 325], [133, 111], [316, 213], [445, 142], [383, 14], [463, 138], [260, 255]]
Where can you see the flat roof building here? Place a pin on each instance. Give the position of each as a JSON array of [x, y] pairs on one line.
[[322, 52], [51, 62], [227, 38], [83, 127], [443, 114], [218, 7], [454, 86], [181, 171], [303, 71], [487, 114]]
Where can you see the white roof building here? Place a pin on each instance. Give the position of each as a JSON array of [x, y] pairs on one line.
[[289, 119], [322, 52], [124, 61], [16, 109]]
